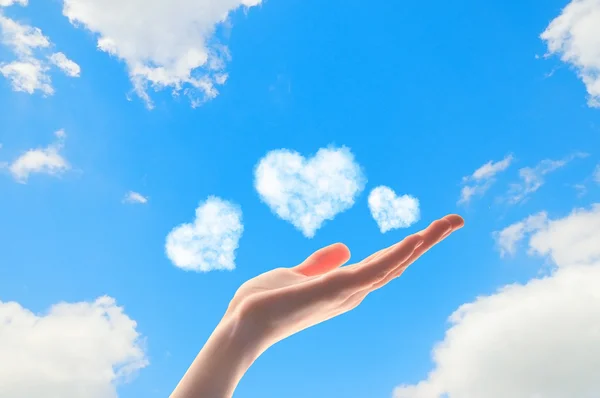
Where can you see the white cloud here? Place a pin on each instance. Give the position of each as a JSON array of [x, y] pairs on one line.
[[532, 178], [575, 36], [508, 238], [308, 192], [75, 350], [574, 240], [47, 160], [169, 44], [65, 64], [535, 340], [135, 197], [392, 212], [22, 39], [7, 3], [210, 241], [483, 178], [28, 76], [29, 72]]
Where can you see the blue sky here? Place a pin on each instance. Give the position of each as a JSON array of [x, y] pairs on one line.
[[420, 95]]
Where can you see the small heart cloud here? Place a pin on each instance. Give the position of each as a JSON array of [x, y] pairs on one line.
[[307, 192], [393, 212], [208, 243]]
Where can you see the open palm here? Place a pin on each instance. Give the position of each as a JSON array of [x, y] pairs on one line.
[[284, 301]]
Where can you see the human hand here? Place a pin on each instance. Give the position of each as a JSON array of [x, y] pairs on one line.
[[284, 301]]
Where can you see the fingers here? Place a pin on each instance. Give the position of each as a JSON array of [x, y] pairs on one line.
[[431, 238], [335, 287], [324, 260], [365, 274], [454, 219], [399, 256]]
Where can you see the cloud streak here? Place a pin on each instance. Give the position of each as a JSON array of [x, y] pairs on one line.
[[478, 183], [533, 178], [135, 198]]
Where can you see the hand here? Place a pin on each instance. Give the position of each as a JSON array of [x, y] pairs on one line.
[[284, 301]]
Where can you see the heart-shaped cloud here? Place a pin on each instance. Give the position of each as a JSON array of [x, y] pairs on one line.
[[308, 192], [209, 243], [393, 212]]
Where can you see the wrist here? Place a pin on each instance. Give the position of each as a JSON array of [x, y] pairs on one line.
[[220, 365]]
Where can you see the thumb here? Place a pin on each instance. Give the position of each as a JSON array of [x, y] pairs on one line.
[[324, 260]]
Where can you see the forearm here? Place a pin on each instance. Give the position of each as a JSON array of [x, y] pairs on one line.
[[220, 365]]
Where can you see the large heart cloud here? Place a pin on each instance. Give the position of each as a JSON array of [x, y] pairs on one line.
[[306, 192], [208, 243], [391, 211]]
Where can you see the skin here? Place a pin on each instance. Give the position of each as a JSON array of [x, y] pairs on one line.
[[285, 301]]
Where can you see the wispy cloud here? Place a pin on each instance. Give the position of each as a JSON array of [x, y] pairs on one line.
[[391, 211], [533, 178], [574, 36], [135, 198], [172, 44], [69, 67], [482, 179], [48, 160], [307, 192], [509, 237], [210, 241], [583, 186], [581, 189], [29, 71]]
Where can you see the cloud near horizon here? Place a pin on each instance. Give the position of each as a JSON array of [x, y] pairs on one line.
[[538, 339], [74, 350]]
